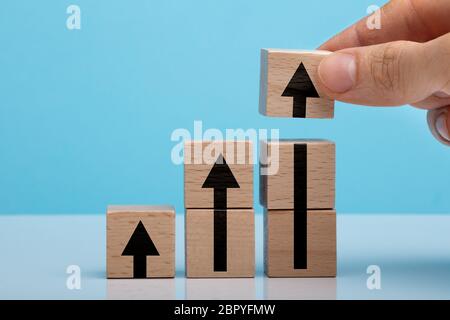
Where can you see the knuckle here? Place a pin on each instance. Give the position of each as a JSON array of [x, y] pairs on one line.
[[386, 67], [363, 37]]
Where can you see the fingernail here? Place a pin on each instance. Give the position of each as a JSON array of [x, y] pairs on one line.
[[442, 126], [338, 72]]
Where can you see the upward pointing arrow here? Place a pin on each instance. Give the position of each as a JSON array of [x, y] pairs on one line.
[[300, 206], [300, 87], [220, 178], [139, 247]]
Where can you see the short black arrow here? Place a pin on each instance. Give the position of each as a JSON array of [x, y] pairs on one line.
[[300, 206], [139, 247], [220, 178], [300, 87]]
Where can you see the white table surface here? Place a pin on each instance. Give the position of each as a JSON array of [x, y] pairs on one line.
[[413, 252]]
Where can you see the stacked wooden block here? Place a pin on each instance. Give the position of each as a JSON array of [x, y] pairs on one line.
[[297, 188], [300, 222], [219, 221], [297, 177], [289, 85], [140, 242]]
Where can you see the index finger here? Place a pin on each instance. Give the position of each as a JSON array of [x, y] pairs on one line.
[[412, 20]]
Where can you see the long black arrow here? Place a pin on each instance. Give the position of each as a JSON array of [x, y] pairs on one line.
[[139, 247], [220, 178], [300, 87], [300, 206]]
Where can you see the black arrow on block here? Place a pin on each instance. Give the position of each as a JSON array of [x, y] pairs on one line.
[[300, 87], [220, 178], [300, 206], [139, 247]]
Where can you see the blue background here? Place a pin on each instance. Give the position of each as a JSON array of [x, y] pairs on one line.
[[86, 115]]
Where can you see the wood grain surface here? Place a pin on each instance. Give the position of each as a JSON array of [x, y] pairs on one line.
[[277, 68], [159, 222], [199, 230], [277, 190], [200, 157], [321, 244]]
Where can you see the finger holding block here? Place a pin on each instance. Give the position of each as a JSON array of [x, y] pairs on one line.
[[218, 170], [290, 87], [291, 168], [220, 243], [280, 244], [140, 242]]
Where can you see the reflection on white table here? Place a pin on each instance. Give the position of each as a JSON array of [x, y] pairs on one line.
[[141, 289], [300, 289], [412, 252], [221, 289]]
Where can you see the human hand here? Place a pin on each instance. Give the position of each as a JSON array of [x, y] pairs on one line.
[[407, 61]]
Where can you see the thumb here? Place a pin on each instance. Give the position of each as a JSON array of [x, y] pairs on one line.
[[388, 74]]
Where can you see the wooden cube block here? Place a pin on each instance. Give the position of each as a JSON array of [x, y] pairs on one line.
[[220, 243], [290, 87], [283, 249], [219, 171], [140, 242], [297, 170]]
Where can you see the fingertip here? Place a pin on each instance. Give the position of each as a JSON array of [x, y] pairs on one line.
[[337, 72], [439, 124], [325, 46], [332, 44], [443, 125]]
